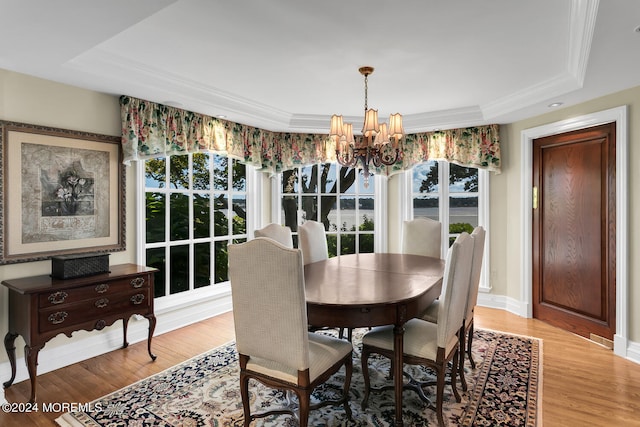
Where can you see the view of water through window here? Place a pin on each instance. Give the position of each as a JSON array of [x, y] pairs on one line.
[[196, 205]]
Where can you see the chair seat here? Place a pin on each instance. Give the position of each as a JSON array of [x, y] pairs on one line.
[[324, 352], [419, 339], [431, 313]]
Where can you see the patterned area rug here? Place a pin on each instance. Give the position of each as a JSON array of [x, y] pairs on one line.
[[204, 391]]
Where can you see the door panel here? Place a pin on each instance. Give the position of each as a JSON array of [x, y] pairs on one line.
[[574, 231]]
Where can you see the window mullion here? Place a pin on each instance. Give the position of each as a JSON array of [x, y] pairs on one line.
[[380, 213], [167, 227], [190, 197], [141, 214], [212, 223]]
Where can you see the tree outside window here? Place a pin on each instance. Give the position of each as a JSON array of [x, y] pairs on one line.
[[336, 197], [195, 206]]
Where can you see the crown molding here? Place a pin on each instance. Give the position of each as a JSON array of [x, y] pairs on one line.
[[581, 27], [137, 79], [208, 100], [531, 95]]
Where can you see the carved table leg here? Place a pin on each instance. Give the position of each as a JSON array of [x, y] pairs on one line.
[[10, 346], [398, 349], [125, 323], [152, 327], [31, 354]]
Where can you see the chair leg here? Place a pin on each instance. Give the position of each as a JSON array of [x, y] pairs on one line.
[[454, 370], [348, 368], [303, 414], [461, 338], [469, 342], [349, 333], [364, 357], [440, 372], [244, 393]]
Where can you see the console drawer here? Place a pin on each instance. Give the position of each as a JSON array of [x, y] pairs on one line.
[[95, 309], [105, 288]]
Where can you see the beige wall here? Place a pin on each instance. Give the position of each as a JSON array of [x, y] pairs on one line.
[[40, 102], [505, 199]]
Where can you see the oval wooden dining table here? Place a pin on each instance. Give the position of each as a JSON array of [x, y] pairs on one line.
[[364, 290]]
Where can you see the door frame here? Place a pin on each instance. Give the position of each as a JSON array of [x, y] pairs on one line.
[[618, 115]]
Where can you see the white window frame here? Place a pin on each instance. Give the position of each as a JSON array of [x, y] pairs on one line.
[[194, 295], [443, 192], [379, 204]]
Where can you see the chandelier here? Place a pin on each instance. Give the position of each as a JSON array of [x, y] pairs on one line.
[[375, 146]]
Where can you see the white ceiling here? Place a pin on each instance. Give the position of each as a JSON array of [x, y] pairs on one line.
[[287, 65]]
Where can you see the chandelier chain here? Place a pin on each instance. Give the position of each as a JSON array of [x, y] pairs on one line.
[[366, 90]]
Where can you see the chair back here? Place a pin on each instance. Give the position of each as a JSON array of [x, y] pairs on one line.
[[279, 233], [269, 304], [455, 289], [478, 235], [312, 240], [422, 236]]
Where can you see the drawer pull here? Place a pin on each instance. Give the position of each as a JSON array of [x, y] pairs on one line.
[[138, 282], [137, 299], [102, 303], [102, 288], [58, 317], [58, 297], [100, 324]]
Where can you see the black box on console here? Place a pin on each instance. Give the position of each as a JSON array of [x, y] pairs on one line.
[[79, 265]]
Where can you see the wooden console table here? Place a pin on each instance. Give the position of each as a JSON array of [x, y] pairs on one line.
[[41, 307]]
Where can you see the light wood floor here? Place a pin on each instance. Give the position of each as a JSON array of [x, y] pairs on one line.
[[584, 384]]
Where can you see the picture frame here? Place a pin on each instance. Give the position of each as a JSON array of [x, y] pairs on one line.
[[61, 193]]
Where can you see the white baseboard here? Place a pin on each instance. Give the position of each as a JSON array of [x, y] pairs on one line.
[[61, 351], [633, 351], [503, 303]]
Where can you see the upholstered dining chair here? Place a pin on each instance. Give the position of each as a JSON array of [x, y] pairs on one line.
[[270, 316], [277, 232], [430, 344], [312, 240], [466, 335], [422, 236]]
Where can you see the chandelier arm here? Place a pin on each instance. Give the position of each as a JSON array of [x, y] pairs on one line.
[[346, 160], [386, 160], [376, 159]]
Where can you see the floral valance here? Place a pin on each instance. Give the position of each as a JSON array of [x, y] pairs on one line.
[[151, 130]]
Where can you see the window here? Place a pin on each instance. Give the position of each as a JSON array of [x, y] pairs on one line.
[[449, 193], [335, 196], [195, 205]]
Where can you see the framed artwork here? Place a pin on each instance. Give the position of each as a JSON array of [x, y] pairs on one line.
[[62, 192]]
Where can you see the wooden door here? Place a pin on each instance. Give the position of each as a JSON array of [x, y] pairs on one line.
[[574, 231]]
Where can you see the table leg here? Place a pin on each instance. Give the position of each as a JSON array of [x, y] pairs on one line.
[[10, 347], [152, 327], [31, 353], [398, 349], [125, 324]]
